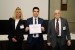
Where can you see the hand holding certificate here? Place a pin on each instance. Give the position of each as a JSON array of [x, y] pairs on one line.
[[35, 28]]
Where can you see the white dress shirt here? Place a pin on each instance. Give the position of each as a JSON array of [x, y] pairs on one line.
[[59, 21], [34, 20], [37, 35], [16, 22]]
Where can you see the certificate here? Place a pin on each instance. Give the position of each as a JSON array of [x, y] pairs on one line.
[[35, 28]]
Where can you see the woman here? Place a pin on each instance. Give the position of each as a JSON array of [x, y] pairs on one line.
[[16, 30]]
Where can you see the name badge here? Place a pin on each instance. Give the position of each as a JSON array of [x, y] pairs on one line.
[[22, 26], [64, 28]]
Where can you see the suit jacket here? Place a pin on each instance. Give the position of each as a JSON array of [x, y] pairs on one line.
[[18, 32], [52, 36], [30, 36]]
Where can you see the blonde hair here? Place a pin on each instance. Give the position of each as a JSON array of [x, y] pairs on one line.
[[14, 16]]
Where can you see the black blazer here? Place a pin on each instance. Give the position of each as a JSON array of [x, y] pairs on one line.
[[18, 32], [30, 36], [52, 36]]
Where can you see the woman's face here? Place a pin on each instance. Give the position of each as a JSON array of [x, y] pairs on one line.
[[18, 13]]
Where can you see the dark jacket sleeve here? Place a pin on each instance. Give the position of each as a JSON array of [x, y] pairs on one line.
[[67, 31], [49, 32], [27, 22], [10, 33], [24, 23], [43, 25], [27, 25]]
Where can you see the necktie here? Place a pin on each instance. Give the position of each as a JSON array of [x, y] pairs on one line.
[[35, 21], [57, 27]]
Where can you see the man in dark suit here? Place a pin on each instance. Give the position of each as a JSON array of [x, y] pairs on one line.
[[58, 31], [35, 41]]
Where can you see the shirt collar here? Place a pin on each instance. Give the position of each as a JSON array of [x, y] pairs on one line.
[[58, 19], [35, 18]]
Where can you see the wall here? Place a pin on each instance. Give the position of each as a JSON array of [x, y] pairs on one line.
[[7, 8]]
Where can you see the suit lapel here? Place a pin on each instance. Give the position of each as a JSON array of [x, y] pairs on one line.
[[61, 26], [31, 20], [13, 24], [39, 21], [53, 24]]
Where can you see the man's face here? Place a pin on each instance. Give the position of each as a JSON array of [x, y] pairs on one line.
[[57, 14], [35, 12]]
